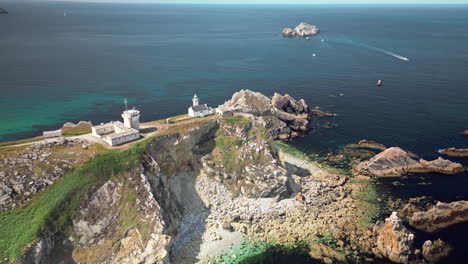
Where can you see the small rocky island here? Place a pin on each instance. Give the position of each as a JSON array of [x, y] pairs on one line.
[[302, 30], [3, 11]]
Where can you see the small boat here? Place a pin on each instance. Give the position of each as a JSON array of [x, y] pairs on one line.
[[64, 14], [313, 55], [307, 38], [379, 82]]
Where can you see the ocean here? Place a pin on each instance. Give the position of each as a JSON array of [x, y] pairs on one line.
[[64, 62]]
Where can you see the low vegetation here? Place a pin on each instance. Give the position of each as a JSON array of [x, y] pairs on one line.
[[76, 130], [19, 142], [267, 252], [237, 120], [20, 227]]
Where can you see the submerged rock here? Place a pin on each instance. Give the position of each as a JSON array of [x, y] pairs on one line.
[[394, 240], [394, 162], [441, 216], [302, 30]]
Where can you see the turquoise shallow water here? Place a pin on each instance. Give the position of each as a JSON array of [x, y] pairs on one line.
[[57, 68]]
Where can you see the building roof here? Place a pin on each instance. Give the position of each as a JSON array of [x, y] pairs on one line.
[[197, 108]]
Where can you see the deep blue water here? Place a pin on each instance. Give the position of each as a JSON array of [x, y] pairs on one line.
[[57, 68]]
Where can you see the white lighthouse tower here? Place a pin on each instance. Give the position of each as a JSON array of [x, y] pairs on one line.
[[131, 117], [195, 100]]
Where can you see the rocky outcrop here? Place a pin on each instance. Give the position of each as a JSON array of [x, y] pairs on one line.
[[81, 123], [370, 144], [244, 161], [394, 241], [3, 11], [454, 152], [27, 172], [302, 30], [441, 165], [295, 114], [435, 251], [38, 252], [441, 216], [394, 162], [283, 116], [465, 132]]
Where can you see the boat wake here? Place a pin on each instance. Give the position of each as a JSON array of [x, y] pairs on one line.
[[358, 44], [392, 54]]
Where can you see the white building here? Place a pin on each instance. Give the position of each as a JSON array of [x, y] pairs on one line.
[[197, 110], [117, 133], [223, 112]]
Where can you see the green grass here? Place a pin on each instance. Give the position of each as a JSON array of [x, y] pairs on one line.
[[20, 227], [22, 141], [369, 204], [227, 153], [237, 120], [266, 252], [288, 149], [76, 131]]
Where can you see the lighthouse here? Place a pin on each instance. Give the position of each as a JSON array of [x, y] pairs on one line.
[[195, 100], [131, 117]]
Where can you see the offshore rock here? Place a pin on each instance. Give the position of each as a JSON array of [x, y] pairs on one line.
[[441, 216], [394, 162], [3, 11], [441, 165], [454, 152], [302, 30], [394, 241], [435, 251], [390, 162]]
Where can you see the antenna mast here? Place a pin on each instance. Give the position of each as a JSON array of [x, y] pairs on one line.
[[125, 102]]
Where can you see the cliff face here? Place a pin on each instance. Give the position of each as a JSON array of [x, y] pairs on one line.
[[134, 219]]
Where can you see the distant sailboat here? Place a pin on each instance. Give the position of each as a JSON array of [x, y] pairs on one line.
[[64, 14], [379, 82]]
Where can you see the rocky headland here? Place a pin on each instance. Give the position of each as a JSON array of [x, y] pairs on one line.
[[202, 187], [302, 30]]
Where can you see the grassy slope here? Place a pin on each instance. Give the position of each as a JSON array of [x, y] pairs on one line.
[[19, 227]]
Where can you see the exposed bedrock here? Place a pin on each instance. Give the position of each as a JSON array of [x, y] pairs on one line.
[[302, 30], [284, 116], [454, 152], [394, 240], [440, 216], [435, 251], [394, 162]]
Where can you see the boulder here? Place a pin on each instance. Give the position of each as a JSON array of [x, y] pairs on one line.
[[394, 240], [441, 216], [435, 251]]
